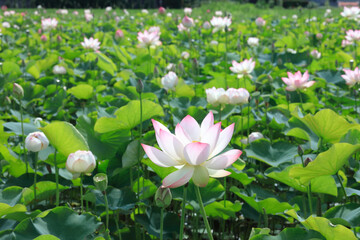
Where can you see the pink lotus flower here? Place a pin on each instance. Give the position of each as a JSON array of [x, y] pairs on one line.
[[243, 68], [119, 34], [187, 11], [43, 38], [351, 13], [48, 24], [36, 142], [260, 22], [80, 162], [345, 43], [238, 96], [193, 150], [161, 10], [147, 39], [352, 35], [217, 96], [351, 77], [91, 43], [315, 54], [188, 22], [297, 81]]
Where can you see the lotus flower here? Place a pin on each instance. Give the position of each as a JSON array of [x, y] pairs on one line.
[[170, 80], [80, 162], [220, 23], [297, 81], [260, 22], [315, 54], [48, 24], [91, 43], [57, 69], [352, 35], [253, 41], [351, 77], [351, 13], [187, 11], [36, 142], [188, 22], [193, 150], [238, 96], [147, 39], [217, 96], [243, 68]]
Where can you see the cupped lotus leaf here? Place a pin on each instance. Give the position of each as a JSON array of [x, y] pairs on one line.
[[271, 205], [6, 209], [73, 226], [325, 227], [219, 210], [82, 91], [130, 113], [291, 234], [274, 154], [65, 137], [322, 184], [326, 163], [349, 212], [11, 195], [327, 125]]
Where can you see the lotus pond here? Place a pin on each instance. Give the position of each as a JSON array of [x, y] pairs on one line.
[[185, 124]]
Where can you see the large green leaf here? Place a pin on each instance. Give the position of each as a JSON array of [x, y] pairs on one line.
[[61, 222], [119, 199], [45, 189], [130, 113], [82, 91], [325, 227], [349, 212], [218, 210], [327, 125], [322, 184], [133, 154], [11, 195], [6, 209], [106, 64], [271, 205], [17, 167], [273, 155], [65, 137], [326, 163], [291, 234]]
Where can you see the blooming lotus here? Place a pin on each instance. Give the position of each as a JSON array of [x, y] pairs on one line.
[[243, 68], [188, 22], [253, 41], [220, 23], [170, 80], [91, 43], [193, 150], [351, 77], [297, 81], [187, 11], [36, 142], [252, 137], [88, 17], [119, 34], [352, 35], [217, 96], [315, 54], [148, 39], [80, 162], [260, 22], [57, 69], [238, 96], [351, 13], [48, 24]]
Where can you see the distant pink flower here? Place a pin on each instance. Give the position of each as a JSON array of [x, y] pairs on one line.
[[352, 35], [188, 22], [319, 36], [345, 43], [91, 43], [315, 54], [4, 7], [48, 24], [187, 11], [119, 34], [147, 39], [351, 13], [243, 68], [297, 81], [351, 77], [75, 13], [43, 38], [182, 28], [88, 17], [260, 22], [206, 25], [161, 10], [193, 150], [220, 23]]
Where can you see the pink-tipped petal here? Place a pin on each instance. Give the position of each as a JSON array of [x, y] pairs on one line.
[[224, 139], [182, 135], [286, 80], [200, 176], [291, 88], [309, 84], [196, 153], [171, 145], [224, 160], [157, 126], [207, 123], [211, 136], [218, 173], [158, 157], [178, 178], [191, 127]]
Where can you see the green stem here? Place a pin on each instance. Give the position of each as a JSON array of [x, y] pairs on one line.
[[242, 123], [310, 200], [182, 221], [225, 70], [225, 192], [23, 138], [107, 212], [56, 180], [203, 213], [248, 121], [161, 223], [116, 216], [342, 187], [149, 66], [81, 194], [35, 175], [301, 101], [140, 138]]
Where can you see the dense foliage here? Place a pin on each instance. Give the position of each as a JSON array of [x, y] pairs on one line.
[[81, 92]]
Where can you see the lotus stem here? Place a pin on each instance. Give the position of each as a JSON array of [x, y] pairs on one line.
[[342, 187], [56, 180], [225, 59], [107, 213], [81, 194], [162, 223], [203, 213], [182, 221], [35, 175], [22, 133]]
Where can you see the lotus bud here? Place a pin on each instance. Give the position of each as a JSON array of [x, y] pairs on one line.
[[7, 100], [139, 86], [119, 34], [169, 81], [58, 39], [43, 38], [36, 142], [18, 91], [101, 181], [163, 197], [81, 162], [195, 63], [307, 161], [156, 71], [162, 10], [300, 151]]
